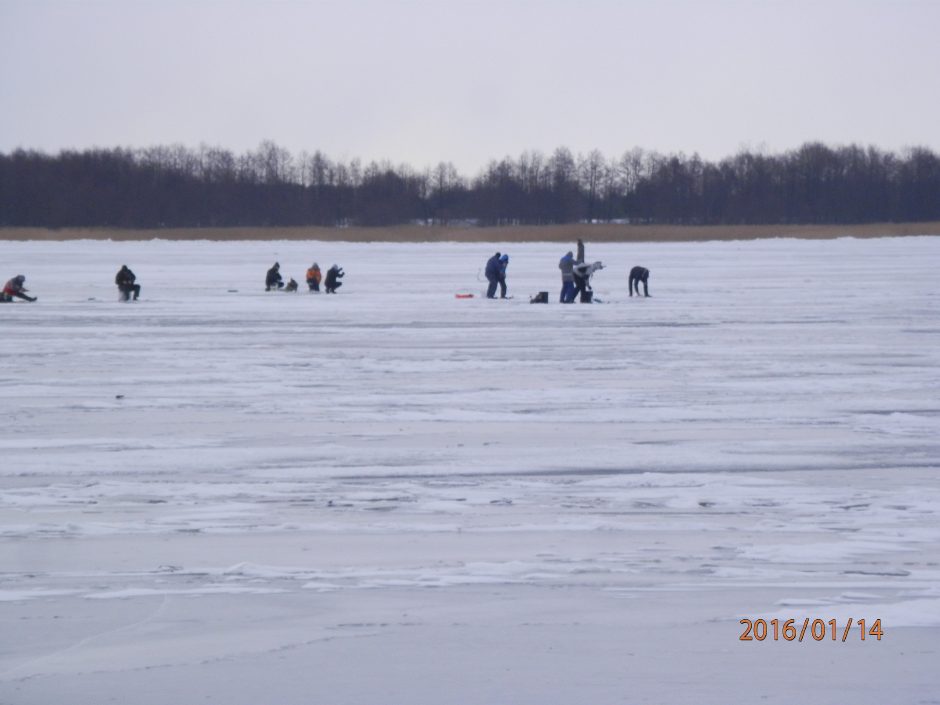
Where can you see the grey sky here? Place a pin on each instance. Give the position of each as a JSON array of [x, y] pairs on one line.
[[422, 82]]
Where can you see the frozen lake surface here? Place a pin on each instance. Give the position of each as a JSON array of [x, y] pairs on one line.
[[396, 496]]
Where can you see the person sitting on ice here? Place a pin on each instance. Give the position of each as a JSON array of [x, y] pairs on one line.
[[314, 277], [125, 280], [333, 275], [583, 272], [15, 289], [637, 275], [273, 279]]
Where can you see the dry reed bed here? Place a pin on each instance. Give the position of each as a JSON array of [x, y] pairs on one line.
[[545, 233]]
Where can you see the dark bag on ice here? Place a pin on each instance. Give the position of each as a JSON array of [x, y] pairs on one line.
[[539, 298]]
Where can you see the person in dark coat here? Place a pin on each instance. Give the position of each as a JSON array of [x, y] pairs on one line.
[[125, 280], [333, 275], [637, 275], [15, 289], [580, 283], [492, 274], [273, 279]]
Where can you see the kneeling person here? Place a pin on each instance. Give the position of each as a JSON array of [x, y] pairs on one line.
[[125, 279], [333, 275], [273, 280]]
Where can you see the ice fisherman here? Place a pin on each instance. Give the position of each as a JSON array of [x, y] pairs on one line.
[[580, 283], [566, 265], [584, 272], [273, 279], [126, 283], [637, 275], [314, 277], [492, 274], [503, 266], [15, 289], [333, 275]]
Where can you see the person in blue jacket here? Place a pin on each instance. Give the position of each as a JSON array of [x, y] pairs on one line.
[[492, 275], [503, 266], [566, 265]]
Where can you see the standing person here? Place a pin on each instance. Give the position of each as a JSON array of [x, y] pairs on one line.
[[492, 275], [314, 276], [15, 289], [503, 266], [637, 275], [125, 280], [580, 283], [333, 275], [566, 265], [273, 279]]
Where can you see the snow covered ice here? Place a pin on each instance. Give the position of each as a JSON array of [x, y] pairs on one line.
[[392, 495]]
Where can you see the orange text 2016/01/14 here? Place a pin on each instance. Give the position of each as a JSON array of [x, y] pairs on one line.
[[810, 629]]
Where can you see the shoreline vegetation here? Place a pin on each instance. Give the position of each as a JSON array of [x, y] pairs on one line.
[[604, 232], [179, 187]]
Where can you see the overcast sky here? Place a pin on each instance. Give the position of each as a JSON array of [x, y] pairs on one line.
[[423, 82]]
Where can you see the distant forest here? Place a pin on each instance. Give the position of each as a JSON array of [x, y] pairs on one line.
[[177, 186]]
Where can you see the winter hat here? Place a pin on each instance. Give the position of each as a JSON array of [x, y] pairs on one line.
[[504, 258], [19, 278]]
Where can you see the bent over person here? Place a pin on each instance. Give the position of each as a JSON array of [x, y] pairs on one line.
[[15, 289], [125, 280], [637, 275]]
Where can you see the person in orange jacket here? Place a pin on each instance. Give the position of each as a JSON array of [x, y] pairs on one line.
[[314, 276]]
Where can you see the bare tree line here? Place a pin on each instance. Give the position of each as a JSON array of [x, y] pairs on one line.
[[175, 186]]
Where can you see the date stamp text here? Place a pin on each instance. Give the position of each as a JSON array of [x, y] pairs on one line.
[[810, 629]]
